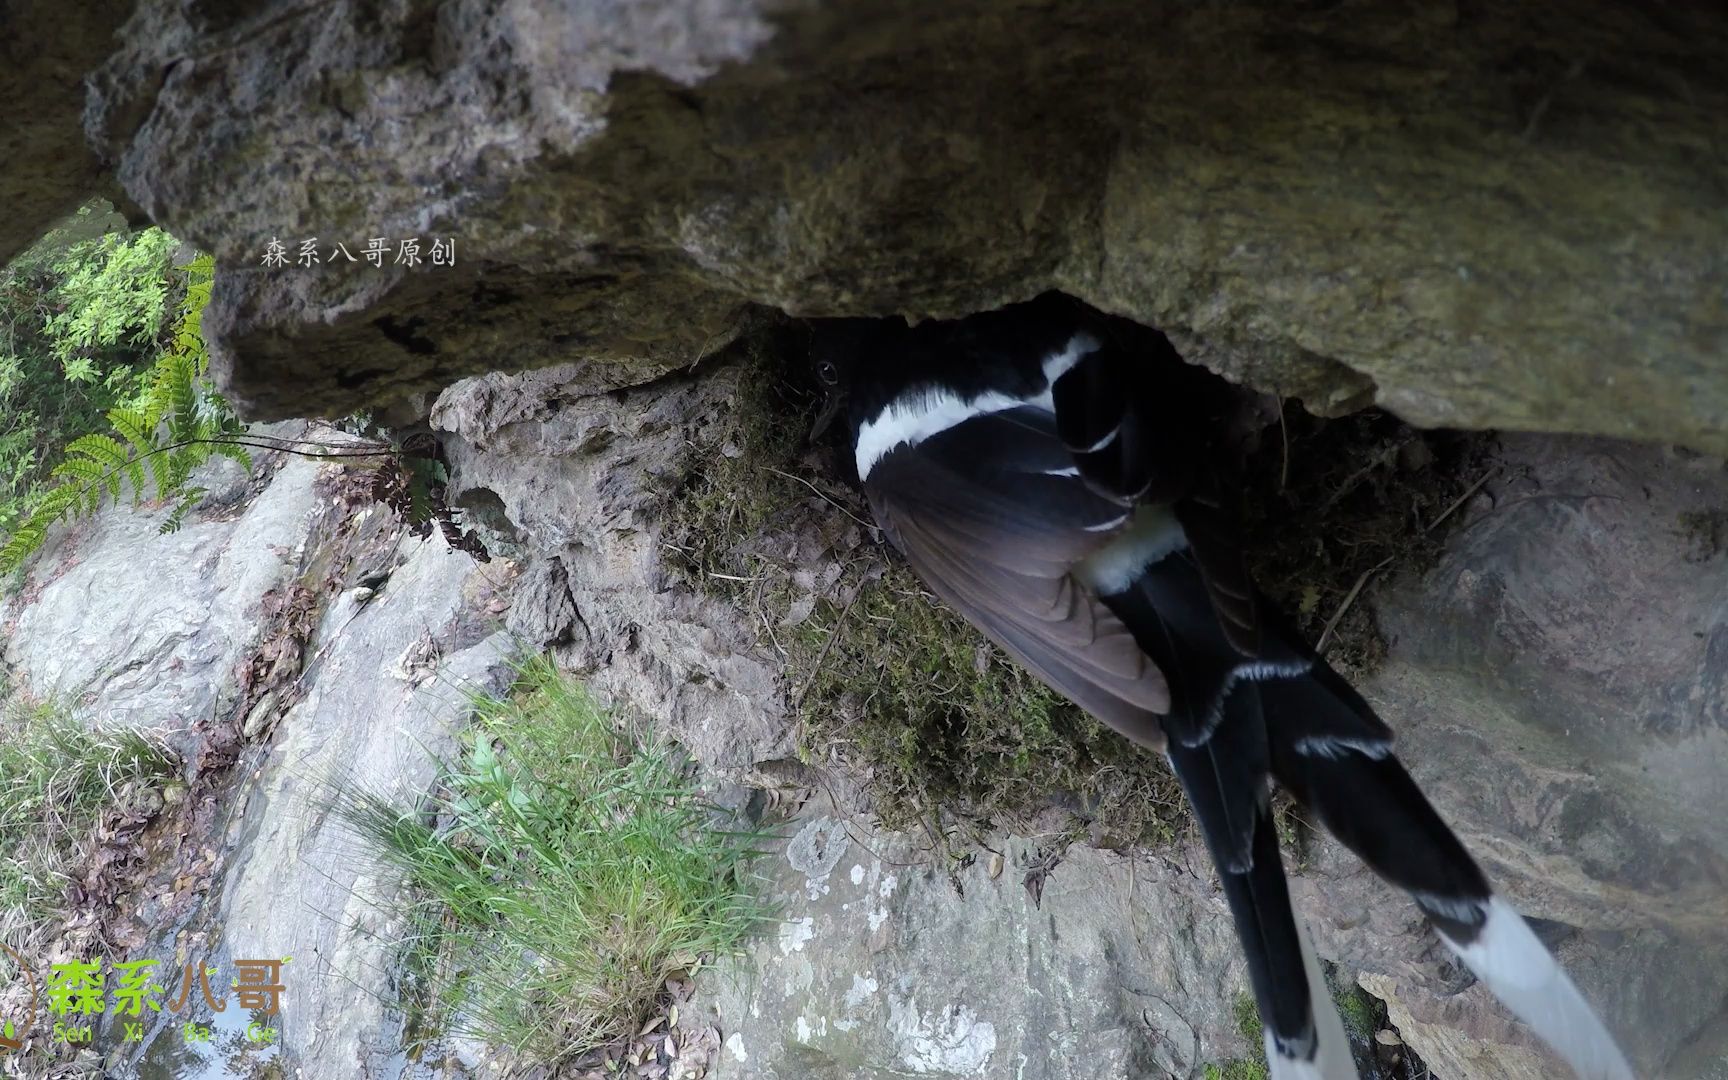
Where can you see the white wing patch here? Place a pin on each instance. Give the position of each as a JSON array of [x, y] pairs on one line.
[[1154, 534], [1333, 748]]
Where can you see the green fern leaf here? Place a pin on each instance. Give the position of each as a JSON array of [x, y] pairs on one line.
[[235, 452], [178, 518], [112, 456], [130, 424]]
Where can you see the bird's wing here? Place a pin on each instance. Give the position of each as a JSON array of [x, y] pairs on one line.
[[1140, 422], [992, 514]]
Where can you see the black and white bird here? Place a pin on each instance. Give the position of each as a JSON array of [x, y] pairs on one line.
[[1050, 474]]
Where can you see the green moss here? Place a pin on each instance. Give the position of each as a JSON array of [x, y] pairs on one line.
[[1363, 1013], [1248, 1018], [1707, 531], [1358, 1009], [948, 726]]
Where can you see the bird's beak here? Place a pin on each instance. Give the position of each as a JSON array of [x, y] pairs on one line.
[[831, 407]]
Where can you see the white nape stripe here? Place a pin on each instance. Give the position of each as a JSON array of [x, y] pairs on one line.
[[1523, 974], [1332, 1060], [1154, 533], [1072, 470], [917, 417], [1059, 364]]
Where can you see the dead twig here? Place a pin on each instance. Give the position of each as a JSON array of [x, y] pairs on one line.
[[824, 496], [816, 667], [1284, 465], [1356, 589]]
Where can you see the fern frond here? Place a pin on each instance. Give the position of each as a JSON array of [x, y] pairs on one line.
[[131, 425], [235, 452], [87, 472], [54, 504], [114, 459], [178, 518]]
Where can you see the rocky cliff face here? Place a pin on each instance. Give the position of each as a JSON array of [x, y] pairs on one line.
[[1555, 679], [1482, 214]]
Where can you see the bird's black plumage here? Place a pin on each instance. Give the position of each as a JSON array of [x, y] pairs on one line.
[[1061, 479]]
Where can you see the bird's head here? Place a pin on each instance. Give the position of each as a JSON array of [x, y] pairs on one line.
[[837, 347]]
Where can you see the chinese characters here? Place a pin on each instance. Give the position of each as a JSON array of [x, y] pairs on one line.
[[79, 989], [378, 250]]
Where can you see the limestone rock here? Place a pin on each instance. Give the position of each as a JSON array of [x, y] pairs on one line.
[[46, 167], [1559, 689], [590, 479], [883, 966], [142, 629]]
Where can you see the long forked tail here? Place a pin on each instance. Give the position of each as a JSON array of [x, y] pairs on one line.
[[1363, 796], [1285, 715], [1304, 1038]]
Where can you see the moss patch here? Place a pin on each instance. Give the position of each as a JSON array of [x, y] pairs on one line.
[[1707, 533], [949, 728], [1247, 1018], [1363, 1013], [1238, 1069]]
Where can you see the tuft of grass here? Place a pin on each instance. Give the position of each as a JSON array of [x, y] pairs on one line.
[[57, 776], [563, 872]]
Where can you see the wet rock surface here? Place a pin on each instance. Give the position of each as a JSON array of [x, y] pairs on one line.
[[248, 862]]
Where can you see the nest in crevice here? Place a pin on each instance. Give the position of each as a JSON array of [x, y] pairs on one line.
[[1334, 506], [946, 733]]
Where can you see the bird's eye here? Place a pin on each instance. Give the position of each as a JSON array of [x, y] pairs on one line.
[[828, 373]]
